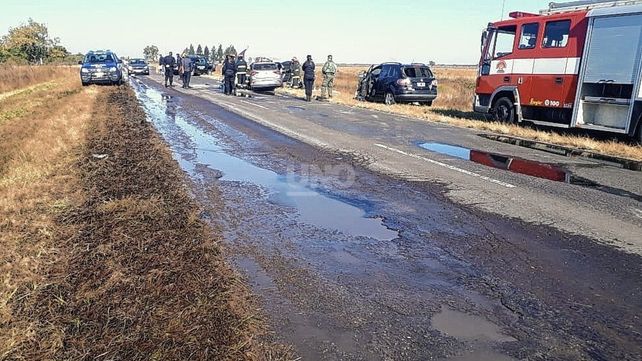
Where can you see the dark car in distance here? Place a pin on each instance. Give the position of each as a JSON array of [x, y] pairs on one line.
[[286, 71], [102, 67], [138, 66], [398, 83], [199, 64]]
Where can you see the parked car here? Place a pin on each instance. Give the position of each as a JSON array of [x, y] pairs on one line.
[[102, 67], [200, 65], [395, 83], [286, 70], [265, 76], [138, 66]]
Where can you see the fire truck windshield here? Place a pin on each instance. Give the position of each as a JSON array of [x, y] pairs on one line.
[[499, 43]]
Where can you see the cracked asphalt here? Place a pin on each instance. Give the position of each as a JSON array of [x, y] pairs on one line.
[[441, 258]]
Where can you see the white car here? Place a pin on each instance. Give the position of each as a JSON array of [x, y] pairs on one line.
[[265, 76]]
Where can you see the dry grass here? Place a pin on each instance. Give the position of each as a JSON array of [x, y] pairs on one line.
[[17, 77], [108, 258], [453, 106]]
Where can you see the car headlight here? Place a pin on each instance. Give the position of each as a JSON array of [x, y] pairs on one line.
[[84, 70], [113, 69]]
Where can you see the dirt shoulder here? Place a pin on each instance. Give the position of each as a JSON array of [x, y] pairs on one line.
[[103, 253]]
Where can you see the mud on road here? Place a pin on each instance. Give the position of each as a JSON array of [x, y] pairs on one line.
[[353, 265]]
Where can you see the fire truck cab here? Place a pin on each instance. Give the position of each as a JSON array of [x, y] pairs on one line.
[[574, 65]]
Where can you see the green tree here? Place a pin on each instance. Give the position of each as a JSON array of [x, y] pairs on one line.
[[206, 52], [29, 42], [219, 53], [199, 49], [230, 50], [191, 50], [151, 53], [186, 51]]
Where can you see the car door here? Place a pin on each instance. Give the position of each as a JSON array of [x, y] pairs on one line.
[[374, 80], [382, 80]]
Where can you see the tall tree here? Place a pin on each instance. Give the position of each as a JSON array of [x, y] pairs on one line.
[[230, 50], [29, 42], [206, 52], [219, 53], [191, 50], [151, 52], [186, 51], [199, 49]]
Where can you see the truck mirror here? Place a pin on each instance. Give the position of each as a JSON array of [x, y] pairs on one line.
[[484, 36]]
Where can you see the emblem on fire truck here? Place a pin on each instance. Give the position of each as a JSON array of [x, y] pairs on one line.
[[501, 67]]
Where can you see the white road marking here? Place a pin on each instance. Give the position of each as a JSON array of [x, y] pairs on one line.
[[448, 166], [256, 105]]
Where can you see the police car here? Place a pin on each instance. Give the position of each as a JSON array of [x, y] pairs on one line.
[[102, 67]]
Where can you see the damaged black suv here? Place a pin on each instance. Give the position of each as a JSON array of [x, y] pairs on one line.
[[395, 83]]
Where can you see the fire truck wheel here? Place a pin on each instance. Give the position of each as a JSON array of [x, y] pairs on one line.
[[504, 110]]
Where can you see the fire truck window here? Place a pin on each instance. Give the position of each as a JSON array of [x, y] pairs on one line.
[[504, 41], [528, 38], [556, 34]]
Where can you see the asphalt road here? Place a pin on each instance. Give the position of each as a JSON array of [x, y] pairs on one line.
[[364, 245]]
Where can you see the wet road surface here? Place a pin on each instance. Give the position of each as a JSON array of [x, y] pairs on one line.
[[354, 265]]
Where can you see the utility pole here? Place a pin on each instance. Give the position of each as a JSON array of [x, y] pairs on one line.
[[503, 8]]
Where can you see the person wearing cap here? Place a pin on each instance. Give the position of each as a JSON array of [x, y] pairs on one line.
[[329, 70], [186, 68], [229, 72], [241, 70], [168, 63], [308, 77], [295, 68]]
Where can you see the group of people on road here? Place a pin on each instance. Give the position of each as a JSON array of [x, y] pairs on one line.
[[234, 71], [185, 68]]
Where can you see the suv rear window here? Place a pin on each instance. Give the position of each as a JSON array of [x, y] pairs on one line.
[[417, 72], [269, 66]]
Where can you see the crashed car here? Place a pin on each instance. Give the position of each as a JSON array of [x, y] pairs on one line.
[[397, 83]]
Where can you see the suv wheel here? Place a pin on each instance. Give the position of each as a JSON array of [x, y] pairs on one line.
[[389, 98], [504, 110]]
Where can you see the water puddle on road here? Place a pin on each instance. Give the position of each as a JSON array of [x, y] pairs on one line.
[[196, 148], [524, 166]]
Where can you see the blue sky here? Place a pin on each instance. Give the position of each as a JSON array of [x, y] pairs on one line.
[[357, 31]]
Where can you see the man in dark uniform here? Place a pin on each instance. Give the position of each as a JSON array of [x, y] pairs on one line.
[[308, 77], [168, 63], [229, 71]]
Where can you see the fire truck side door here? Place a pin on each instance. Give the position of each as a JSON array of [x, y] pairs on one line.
[[525, 54]]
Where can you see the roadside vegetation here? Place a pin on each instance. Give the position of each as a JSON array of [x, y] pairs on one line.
[[454, 106], [103, 254]]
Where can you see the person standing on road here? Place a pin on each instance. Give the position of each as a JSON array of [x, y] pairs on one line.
[[160, 64], [295, 67], [229, 72], [329, 70], [186, 70], [308, 77], [241, 71], [169, 62]]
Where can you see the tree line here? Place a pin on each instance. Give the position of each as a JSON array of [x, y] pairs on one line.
[[215, 53], [30, 43]]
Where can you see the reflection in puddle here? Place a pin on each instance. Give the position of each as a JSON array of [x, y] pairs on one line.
[[197, 148], [523, 166]]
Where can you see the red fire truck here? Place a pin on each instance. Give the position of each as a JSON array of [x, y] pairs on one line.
[[574, 65]]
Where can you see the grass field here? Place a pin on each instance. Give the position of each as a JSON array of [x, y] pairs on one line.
[[103, 254], [454, 106]]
